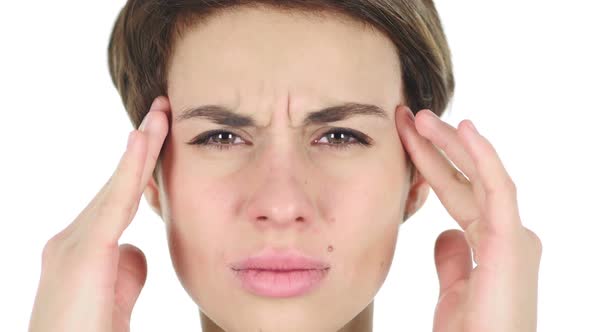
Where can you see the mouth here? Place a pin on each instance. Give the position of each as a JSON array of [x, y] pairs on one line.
[[272, 274]]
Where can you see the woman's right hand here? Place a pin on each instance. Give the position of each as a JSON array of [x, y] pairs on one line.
[[88, 282]]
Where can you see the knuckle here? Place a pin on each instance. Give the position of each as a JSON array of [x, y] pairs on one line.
[[54, 247], [114, 206], [503, 187], [509, 185], [535, 240], [106, 209], [48, 251]]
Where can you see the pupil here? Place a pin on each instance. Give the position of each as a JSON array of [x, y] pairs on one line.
[[220, 136], [333, 135]]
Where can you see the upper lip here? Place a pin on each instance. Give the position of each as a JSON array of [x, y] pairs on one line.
[[281, 261]]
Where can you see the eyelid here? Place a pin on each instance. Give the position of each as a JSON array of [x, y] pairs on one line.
[[205, 136], [357, 135], [360, 138]]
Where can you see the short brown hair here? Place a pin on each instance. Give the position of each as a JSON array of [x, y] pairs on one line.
[[145, 32]]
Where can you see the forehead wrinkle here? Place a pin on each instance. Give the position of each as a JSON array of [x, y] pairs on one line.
[[228, 117]]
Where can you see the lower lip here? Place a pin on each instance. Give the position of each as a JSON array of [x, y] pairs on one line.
[[273, 283]]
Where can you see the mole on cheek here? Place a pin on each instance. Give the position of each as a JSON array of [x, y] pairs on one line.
[[330, 248]]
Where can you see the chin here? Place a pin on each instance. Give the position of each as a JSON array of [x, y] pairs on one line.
[[275, 318]]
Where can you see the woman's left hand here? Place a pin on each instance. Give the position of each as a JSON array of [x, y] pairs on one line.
[[500, 293]]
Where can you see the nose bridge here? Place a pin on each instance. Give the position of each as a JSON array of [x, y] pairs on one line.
[[281, 196], [281, 151]]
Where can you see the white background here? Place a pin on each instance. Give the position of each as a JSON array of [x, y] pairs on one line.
[[522, 77]]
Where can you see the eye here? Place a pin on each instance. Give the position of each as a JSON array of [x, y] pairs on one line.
[[341, 138], [221, 139], [338, 138]]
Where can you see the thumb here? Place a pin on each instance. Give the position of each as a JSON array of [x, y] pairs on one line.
[[452, 257], [131, 276]]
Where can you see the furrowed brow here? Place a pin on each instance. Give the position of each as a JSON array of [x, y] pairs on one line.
[[224, 116], [342, 112]]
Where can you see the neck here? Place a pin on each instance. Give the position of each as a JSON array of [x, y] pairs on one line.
[[363, 322]]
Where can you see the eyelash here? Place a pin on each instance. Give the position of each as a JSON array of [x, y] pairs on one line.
[[361, 139]]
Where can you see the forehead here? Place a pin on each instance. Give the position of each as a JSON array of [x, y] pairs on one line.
[[249, 56]]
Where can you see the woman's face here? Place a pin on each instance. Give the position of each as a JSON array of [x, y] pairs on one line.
[[274, 188]]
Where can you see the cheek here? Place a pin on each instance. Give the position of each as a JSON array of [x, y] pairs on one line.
[[359, 206], [189, 250], [374, 260], [366, 244], [196, 231], [365, 219]]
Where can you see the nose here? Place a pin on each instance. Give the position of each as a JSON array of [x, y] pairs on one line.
[[281, 197]]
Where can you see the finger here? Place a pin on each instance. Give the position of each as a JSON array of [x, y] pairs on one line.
[[131, 277], [500, 191], [453, 265], [452, 257], [156, 134], [116, 205], [451, 187], [446, 137]]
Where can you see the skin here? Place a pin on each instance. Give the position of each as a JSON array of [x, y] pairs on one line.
[[212, 200]]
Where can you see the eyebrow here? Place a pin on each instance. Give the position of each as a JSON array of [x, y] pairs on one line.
[[224, 116]]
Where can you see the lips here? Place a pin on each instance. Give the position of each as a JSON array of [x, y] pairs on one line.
[[280, 261], [280, 274]]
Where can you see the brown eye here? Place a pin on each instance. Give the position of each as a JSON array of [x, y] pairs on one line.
[[220, 139], [340, 138], [223, 138]]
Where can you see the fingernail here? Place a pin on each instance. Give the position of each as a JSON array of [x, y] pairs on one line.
[[144, 122], [409, 113], [430, 113], [154, 102]]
